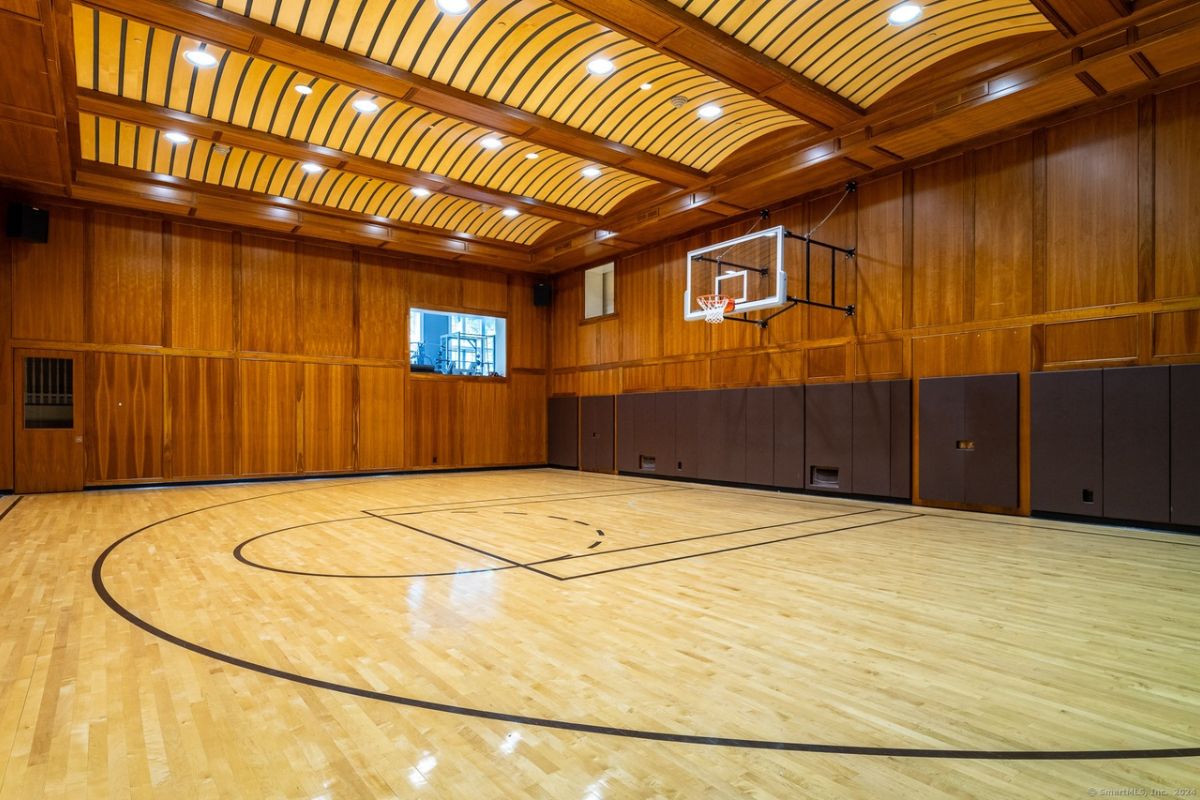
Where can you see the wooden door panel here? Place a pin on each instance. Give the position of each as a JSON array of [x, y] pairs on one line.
[[125, 417], [48, 459]]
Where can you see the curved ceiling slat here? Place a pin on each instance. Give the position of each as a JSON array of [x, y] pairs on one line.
[[138, 62], [124, 144], [532, 55], [849, 47]]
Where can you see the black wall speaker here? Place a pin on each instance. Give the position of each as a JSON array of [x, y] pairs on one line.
[[29, 223], [542, 292]]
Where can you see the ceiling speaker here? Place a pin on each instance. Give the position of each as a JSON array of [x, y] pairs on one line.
[[28, 223]]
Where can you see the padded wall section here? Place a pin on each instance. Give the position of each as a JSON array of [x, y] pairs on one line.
[[635, 423], [871, 438], [1185, 444], [1066, 459], [788, 403], [901, 477], [993, 420], [722, 456], [828, 421], [1137, 408], [687, 431], [563, 432], [662, 434], [596, 433], [760, 436], [942, 426]]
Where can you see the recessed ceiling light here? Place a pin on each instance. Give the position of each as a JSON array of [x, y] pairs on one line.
[[591, 172], [905, 13], [311, 168], [645, 87], [366, 106], [175, 137], [510, 212], [200, 58], [709, 111], [600, 66], [304, 88], [490, 143], [532, 156], [453, 7], [420, 191]]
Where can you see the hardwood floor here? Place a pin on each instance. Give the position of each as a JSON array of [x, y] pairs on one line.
[[552, 634]]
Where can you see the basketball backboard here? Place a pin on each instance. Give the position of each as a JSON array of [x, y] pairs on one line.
[[748, 269]]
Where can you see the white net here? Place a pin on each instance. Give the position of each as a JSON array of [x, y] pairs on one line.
[[714, 307]]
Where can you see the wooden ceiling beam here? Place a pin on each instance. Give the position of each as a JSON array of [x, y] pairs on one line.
[[1073, 17], [120, 108], [232, 31], [690, 40]]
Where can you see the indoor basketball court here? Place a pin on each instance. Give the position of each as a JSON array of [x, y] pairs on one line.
[[466, 398]]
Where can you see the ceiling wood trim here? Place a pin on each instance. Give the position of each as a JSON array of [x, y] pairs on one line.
[[692, 41], [106, 105], [235, 32]]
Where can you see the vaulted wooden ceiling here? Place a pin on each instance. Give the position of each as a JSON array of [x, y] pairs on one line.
[[533, 134]]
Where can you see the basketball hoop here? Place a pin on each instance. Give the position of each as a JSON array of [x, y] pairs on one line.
[[715, 307]]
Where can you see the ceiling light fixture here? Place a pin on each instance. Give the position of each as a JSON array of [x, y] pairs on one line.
[[420, 191], [453, 7], [905, 13], [532, 156], [311, 168], [590, 172], [709, 111], [175, 137], [510, 212], [366, 106], [600, 66], [490, 143], [645, 87], [304, 89], [200, 58]]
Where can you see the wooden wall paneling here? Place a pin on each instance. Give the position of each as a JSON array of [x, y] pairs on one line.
[[1185, 444], [527, 419], [1094, 340], [599, 342], [737, 335], [686, 374], [268, 409], [485, 290], [325, 293], [1137, 443], [827, 363], [1066, 438], [328, 421], [48, 281], [594, 382], [565, 312], [268, 295], [528, 326], [882, 359], [987, 351], [786, 366], [201, 285], [382, 308], [484, 422], [939, 246], [380, 418], [1003, 230], [201, 396], [564, 383], [8, 392], [828, 426], [639, 293], [432, 437], [563, 432], [679, 337], [1176, 333], [792, 327], [879, 265], [125, 418], [126, 282], [1092, 186], [840, 229], [648, 377], [1177, 193], [435, 286], [747, 370]]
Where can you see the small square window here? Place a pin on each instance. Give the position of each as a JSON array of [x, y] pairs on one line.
[[599, 291]]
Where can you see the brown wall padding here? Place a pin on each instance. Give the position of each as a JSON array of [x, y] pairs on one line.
[[993, 420], [872, 439], [596, 439], [662, 436], [789, 436], [1185, 444], [901, 472], [828, 417], [1137, 408], [942, 424], [687, 435], [563, 427], [1066, 459], [635, 422], [760, 436]]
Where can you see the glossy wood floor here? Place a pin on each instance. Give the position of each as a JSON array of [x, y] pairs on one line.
[[551, 634]]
